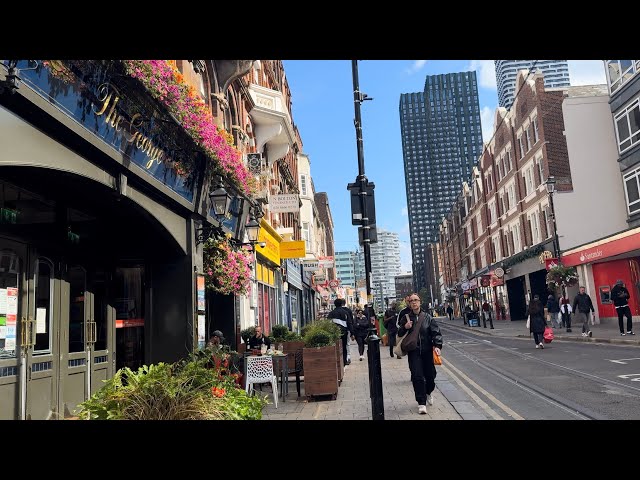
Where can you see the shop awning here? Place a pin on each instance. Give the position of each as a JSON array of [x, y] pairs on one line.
[[623, 242]]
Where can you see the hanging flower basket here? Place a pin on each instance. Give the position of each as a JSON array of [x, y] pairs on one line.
[[227, 270], [562, 276]]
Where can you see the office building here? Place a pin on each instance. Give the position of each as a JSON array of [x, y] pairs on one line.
[[441, 141], [385, 266], [555, 72]]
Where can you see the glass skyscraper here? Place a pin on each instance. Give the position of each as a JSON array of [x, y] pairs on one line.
[[555, 72], [441, 142]]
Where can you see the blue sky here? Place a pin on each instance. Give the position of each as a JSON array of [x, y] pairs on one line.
[[322, 96]]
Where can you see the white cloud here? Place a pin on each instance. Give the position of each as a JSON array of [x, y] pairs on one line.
[[416, 67], [485, 71], [586, 72], [404, 212], [486, 117]]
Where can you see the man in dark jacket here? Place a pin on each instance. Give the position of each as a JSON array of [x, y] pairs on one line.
[[582, 305], [620, 296], [342, 317], [390, 318]]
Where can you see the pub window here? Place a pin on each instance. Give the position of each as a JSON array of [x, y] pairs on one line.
[[605, 294]]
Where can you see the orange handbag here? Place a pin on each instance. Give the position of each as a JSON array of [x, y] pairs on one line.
[[437, 359]]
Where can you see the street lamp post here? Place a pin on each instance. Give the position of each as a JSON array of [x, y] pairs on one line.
[[551, 187], [373, 352]]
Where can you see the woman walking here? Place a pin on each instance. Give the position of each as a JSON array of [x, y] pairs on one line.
[[428, 338], [536, 320]]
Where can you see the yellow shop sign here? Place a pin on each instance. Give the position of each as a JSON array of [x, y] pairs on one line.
[[270, 237], [295, 249]]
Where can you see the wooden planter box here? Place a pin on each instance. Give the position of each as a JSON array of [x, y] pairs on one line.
[[339, 361], [320, 372]]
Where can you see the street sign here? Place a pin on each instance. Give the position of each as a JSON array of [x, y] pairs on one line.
[[310, 265], [334, 283], [373, 234], [499, 272], [326, 261], [356, 205]]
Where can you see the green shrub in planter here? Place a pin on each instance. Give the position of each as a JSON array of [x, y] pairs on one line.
[[247, 333], [185, 390], [317, 338], [279, 332], [293, 337]]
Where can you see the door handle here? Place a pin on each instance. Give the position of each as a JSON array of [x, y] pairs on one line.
[[23, 332], [32, 333]]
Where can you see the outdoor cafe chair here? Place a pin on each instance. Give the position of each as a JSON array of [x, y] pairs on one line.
[[260, 370]]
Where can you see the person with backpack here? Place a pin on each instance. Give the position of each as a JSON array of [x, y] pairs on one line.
[[362, 325], [343, 317]]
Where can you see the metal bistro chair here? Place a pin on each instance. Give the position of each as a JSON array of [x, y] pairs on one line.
[[298, 369], [260, 370]]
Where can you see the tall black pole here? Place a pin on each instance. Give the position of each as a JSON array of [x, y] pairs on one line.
[[373, 341], [358, 98]]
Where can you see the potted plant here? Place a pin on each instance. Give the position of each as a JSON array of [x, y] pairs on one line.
[[561, 276], [319, 354]]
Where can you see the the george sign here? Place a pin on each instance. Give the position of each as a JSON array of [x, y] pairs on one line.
[[485, 280], [310, 265], [326, 262], [295, 249], [550, 263], [544, 256], [499, 272], [284, 203]]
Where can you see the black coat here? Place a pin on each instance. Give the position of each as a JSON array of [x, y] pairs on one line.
[[390, 318], [430, 335], [620, 296], [535, 311]]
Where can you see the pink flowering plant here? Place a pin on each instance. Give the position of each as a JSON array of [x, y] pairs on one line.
[[165, 83], [227, 270]]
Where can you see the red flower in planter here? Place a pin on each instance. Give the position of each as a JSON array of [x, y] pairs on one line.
[[217, 392]]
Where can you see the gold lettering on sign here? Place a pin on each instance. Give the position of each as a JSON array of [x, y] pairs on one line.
[[108, 101]]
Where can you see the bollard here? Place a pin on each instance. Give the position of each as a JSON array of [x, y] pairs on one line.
[[375, 375]]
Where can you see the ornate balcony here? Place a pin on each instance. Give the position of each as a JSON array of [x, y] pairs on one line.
[[272, 122]]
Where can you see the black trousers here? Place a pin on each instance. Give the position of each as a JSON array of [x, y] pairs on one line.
[[392, 341], [344, 346], [622, 311], [423, 374], [360, 339]]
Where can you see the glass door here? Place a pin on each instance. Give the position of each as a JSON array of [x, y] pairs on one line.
[[75, 316], [100, 333], [40, 346], [13, 308]]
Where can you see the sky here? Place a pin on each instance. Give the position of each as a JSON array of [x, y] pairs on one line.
[[323, 111]]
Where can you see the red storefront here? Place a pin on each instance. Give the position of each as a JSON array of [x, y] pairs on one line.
[[612, 258]]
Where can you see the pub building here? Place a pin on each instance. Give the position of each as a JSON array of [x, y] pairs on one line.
[[100, 237]]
